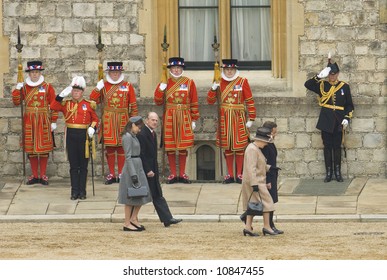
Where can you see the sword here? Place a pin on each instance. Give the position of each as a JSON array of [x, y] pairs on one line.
[[91, 152]]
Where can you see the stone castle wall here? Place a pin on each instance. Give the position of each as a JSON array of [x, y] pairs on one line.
[[64, 34]]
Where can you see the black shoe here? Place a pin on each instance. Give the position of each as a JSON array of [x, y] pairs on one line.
[[239, 179], [44, 180], [172, 180], [74, 197], [228, 180], [32, 181], [138, 227], [129, 229], [249, 233], [328, 176], [110, 179], [172, 221], [265, 231], [82, 197], [278, 231], [184, 179], [338, 176], [243, 217]]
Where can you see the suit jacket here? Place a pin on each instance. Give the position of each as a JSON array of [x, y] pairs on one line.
[[149, 157]]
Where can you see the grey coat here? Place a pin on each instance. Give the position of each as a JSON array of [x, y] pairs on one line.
[[133, 166]]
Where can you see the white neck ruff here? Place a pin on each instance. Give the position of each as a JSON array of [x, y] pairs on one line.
[[236, 75], [120, 79], [176, 76], [34, 84]]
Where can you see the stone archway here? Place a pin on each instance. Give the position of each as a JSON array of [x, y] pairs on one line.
[[205, 154]]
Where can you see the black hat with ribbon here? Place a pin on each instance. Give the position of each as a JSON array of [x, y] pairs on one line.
[[229, 63], [176, 61], [115, 66], [34, 65]]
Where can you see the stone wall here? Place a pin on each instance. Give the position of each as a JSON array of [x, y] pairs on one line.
[[64, 33], [65, 37]]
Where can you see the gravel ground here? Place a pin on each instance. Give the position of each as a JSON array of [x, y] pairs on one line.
[[193, 241]]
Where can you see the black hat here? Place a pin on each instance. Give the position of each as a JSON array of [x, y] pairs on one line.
[[176, 61], [34, 65], [137, 120], [229, 63], [114, 66], [264, 134], [334, 68]]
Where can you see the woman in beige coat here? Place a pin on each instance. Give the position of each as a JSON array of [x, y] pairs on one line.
[[254, 181]]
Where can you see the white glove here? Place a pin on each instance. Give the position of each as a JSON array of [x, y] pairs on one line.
[[90, 131], [344, 123], [19, 86], [193, 125], [100, 85], [53, 126], [249, 124], [324, 73], [66, 92], [215, 86], [162, 86]]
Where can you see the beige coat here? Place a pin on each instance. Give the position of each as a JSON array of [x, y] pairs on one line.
[[254, 174]]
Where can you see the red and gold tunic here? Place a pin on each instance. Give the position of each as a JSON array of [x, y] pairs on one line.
[[119, 104], [181, 109], [78, 114], [236, 101], [37, 116]]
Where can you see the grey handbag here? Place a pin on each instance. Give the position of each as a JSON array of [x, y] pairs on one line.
[[255, 208], [137, 191]]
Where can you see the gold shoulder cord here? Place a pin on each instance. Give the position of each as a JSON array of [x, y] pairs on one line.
[[71, 111], [325, 96]]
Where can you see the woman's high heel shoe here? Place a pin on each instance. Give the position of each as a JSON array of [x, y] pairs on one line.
[[129, 229], [138, 227], [265, 231], [249, 233]]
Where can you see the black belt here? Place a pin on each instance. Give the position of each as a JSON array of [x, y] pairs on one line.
[[135, 156]]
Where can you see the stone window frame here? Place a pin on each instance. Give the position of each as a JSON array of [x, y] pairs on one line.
[[285, 78]]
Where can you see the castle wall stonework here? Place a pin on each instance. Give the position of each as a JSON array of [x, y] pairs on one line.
[[64, 34]]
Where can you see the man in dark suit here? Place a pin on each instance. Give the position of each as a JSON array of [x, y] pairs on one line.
[[148, 142]]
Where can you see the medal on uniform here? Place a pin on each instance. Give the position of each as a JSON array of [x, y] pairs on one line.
[[84, 107], [183, 87]]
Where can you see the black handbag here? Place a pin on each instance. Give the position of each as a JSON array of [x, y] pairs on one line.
[[255, 208], [137, 191]]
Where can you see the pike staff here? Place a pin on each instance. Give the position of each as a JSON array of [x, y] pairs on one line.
[[100, 47], [215, 47], [20, 79], [164, 79]]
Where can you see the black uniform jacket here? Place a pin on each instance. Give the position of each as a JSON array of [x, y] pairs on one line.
[[334, 109]]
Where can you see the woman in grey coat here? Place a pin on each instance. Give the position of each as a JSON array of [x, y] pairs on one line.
[[132, 173]]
